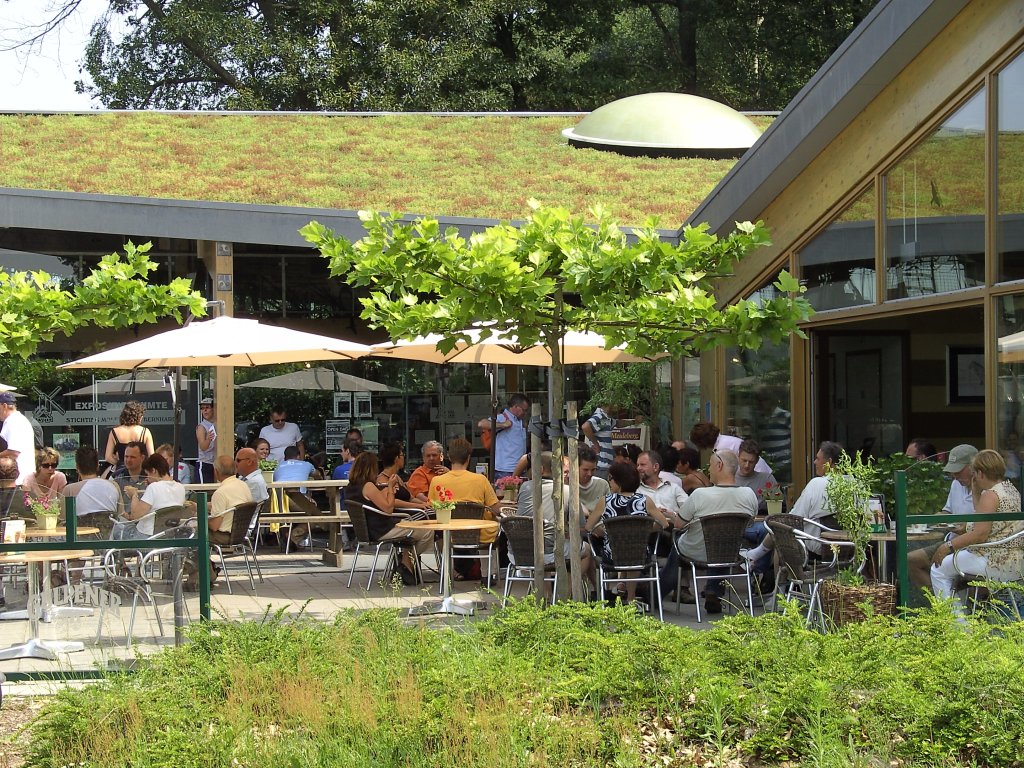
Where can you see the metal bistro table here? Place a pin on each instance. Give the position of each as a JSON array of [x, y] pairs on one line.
[[448, 604], [35, 646]]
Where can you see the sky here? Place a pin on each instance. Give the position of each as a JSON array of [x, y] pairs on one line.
[[44, 79]]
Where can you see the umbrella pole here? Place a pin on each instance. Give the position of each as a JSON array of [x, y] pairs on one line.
[[176, 432], [493, 371]]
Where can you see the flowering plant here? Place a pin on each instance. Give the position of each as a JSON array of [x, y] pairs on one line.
[[509, 481], [771, 492], [43, 507], [445, 501]]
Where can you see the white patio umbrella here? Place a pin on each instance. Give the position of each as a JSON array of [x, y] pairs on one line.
[[224, 341], [578, 347], [319, 379], [6, 388]]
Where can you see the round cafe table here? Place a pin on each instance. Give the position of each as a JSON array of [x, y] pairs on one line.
[[35, 646], [59, 533], [448, 604]]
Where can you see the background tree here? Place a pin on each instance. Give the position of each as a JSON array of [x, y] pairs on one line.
[[116, 294], [553, 273]]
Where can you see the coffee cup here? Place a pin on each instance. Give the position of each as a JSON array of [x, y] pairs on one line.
[[917, 528]]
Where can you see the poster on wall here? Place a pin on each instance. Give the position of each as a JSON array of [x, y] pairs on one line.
[[66, 443], [343, 405]]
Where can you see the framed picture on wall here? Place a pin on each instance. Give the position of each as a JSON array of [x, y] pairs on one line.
[[965, 378]]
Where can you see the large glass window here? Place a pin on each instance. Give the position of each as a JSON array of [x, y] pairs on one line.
[[1010, 168], [1010, 381], [758, 395], [838, 266], [935, 209]]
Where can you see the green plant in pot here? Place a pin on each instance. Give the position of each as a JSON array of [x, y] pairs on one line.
[[927, 486], [846, 493]]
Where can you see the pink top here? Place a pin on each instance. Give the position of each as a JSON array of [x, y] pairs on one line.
[[57, 484]]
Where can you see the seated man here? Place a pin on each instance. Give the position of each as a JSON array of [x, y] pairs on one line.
[[432, 466], [593, 489], [228, 495], [960, 501], [299, 503], [723, 496], [467, 486], [131, 473], [749, 477], [93, 494], [12, 497], [525, 508]]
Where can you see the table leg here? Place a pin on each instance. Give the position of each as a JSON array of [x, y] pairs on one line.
[[36, 647], [448, 604]]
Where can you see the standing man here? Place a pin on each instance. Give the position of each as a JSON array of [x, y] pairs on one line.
[[510, 440], [707, 436], [598, 430], [280, 433], [432, 466], [206, 437], [355, 435], [723, 496], [21, 441]]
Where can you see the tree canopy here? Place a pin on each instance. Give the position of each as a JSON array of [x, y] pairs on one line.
[[553, 273], [459, 55], [116, 294]]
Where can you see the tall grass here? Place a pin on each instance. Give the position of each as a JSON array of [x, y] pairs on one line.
[[567, 686]]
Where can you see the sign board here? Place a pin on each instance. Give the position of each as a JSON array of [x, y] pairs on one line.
[[66, 443], [636, 435], [334, 433], [343, 405]]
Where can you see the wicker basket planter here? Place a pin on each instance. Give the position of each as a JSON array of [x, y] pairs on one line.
[[842, 604]]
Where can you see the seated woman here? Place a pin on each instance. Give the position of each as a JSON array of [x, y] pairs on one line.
[[46, 481], [992, 493], [161, 491], [624, 479], [689, 471], [392, 459], [362, 487]]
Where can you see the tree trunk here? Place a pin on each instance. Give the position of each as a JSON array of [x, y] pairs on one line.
[[538, 517], [575, 536]]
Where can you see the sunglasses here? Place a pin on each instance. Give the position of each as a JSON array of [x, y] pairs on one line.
[[48, 466], [278, 421]]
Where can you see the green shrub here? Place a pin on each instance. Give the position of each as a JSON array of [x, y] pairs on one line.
[[572, 685]]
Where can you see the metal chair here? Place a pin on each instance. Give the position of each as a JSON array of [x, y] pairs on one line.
[[518, 530], [1009, 596], [466, 544], [360, 514], [723, 538], [242, 519], [632, 559]]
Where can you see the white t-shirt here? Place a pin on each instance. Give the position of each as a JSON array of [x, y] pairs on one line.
[[959, 501], [20, 437], [160, 495], [279, 439]]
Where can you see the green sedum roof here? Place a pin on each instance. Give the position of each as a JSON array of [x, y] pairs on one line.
[[442, 165]]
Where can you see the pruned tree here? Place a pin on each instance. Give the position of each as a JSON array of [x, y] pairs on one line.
[[557, 272], [36, 307]]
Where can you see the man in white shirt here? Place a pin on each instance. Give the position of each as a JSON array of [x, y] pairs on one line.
[[17, 431], [281, 433], [667, 497], [593, 489], [247, 466], [960, 501]]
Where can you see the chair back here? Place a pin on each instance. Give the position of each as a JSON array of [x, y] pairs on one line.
[[519, 533], [792, 552], [168, 517], [357, 517], [102, 520], [241, 520], [786, 518], [723, 536], [628, 538], [467, 510]]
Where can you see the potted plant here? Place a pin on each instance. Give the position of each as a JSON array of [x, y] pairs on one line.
[[772, 496], [444, 505], [267, 467], [509, 485], [848, 488], [46, 511], [927, 486]]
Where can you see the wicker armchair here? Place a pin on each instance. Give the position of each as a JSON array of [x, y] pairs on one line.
[[518, 531], [632, 557], [723, 538], [799, 575]]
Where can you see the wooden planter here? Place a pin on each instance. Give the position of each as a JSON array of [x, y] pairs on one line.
[[842, 604]]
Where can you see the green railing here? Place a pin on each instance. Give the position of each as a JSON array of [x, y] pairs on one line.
[[903, 518], [200, 543]]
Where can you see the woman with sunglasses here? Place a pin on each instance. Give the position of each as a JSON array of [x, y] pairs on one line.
[[46, 480]]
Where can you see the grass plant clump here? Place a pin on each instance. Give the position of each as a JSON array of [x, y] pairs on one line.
[[573, 685]]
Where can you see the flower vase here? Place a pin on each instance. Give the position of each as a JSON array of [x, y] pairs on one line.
[[443, 513], [774, 507], [511, 493], [47, 522], [268, 475]]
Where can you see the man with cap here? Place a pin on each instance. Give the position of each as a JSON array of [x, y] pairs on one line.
[[17, 431], [960, 501], [206, 437]]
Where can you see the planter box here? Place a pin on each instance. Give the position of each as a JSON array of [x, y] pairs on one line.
[[842, 604]]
